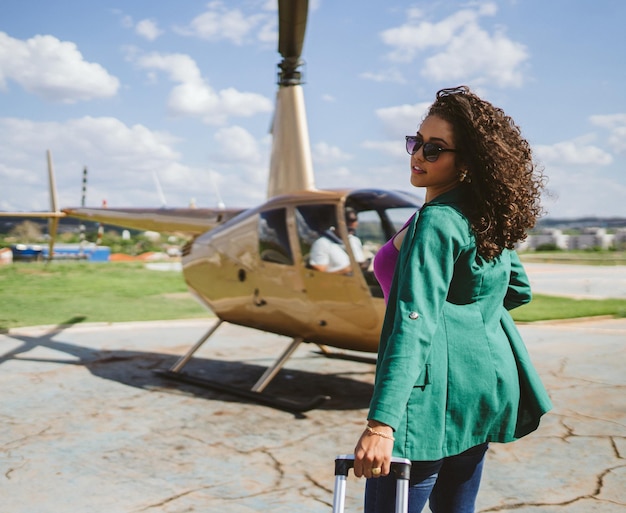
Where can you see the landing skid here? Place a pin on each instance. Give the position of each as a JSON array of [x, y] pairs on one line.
[[334, 355], [255, 394]]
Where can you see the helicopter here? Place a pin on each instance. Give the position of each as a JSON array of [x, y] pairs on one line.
[[252, 267]]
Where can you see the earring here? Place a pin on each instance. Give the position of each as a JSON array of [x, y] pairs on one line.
[[463, 176]]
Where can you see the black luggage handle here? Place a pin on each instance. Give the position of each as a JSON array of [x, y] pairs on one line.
[[401, 467]]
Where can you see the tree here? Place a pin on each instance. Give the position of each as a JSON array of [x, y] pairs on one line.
[[27, 231]]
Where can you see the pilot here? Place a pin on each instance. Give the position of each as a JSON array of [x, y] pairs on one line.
[[328, 252], [352, 222]]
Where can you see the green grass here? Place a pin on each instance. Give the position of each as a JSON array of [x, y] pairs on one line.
[[547, 308], [578, 257], [69, 292]]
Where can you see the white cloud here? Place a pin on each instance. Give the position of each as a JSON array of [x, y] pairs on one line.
[[126, 20], [579, 179], [268, 33], [236, 145], [577, 152], [402, 120], [388, 75], [149, 29], [332, 177], [195, 97], [480, 58], [243, 161], [609, 120], [416, 34], [616, 124], [146, 28], [464, 51], [121, 160], [325, 154], [219, 22], [391, 148], [270, 5], [573, 193], [397, 122], [52, 69]]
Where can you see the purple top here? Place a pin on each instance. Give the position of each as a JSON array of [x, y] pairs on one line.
[[385, 262]]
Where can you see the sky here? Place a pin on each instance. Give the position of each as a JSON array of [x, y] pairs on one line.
[[170, 103]]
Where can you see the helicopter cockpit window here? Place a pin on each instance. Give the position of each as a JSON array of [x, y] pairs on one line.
[[273, 237], [379, 215], [321, 245]]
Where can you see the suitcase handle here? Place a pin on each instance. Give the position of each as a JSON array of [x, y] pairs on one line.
[[400, 467]]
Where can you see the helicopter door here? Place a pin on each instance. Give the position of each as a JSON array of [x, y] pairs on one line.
[[332, 278]]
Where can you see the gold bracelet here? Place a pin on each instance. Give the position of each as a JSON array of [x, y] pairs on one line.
[[372, 431]]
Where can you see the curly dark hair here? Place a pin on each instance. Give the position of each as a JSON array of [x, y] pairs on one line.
[[503, 185]]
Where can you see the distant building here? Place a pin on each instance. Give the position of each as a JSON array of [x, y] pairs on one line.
[[591, 238], [33, 252], [588, 239], [619, 239], [545, 237]]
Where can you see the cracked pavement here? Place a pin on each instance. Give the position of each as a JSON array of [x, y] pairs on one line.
[[87, 426]]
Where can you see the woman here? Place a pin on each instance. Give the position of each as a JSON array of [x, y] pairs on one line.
[[453, 373]]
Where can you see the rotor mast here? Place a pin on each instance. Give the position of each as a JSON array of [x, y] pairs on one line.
[[291, 166]]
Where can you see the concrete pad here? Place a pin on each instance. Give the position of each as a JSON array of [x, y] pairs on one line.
[[574, 461], [578, 281], [88, 426]]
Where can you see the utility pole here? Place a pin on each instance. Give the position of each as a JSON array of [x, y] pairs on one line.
[[81, 251]]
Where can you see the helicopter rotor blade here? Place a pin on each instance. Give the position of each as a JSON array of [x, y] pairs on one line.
[[291, 26], [292, 15], [53, 222]]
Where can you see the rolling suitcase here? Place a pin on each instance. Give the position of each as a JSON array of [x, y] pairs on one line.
[[400, 467]]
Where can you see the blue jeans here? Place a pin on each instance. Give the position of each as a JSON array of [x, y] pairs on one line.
[[451, 484]]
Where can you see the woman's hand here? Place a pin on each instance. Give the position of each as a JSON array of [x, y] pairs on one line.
[[372, 454]]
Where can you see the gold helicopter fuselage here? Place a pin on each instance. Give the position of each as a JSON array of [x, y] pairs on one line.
[[253, 274]]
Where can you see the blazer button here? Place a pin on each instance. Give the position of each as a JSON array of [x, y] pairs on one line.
[[413, 315]]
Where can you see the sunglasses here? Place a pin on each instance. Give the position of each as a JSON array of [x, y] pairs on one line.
[[430, 150]]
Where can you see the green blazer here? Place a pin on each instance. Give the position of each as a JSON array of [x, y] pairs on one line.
[[452, 370]]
